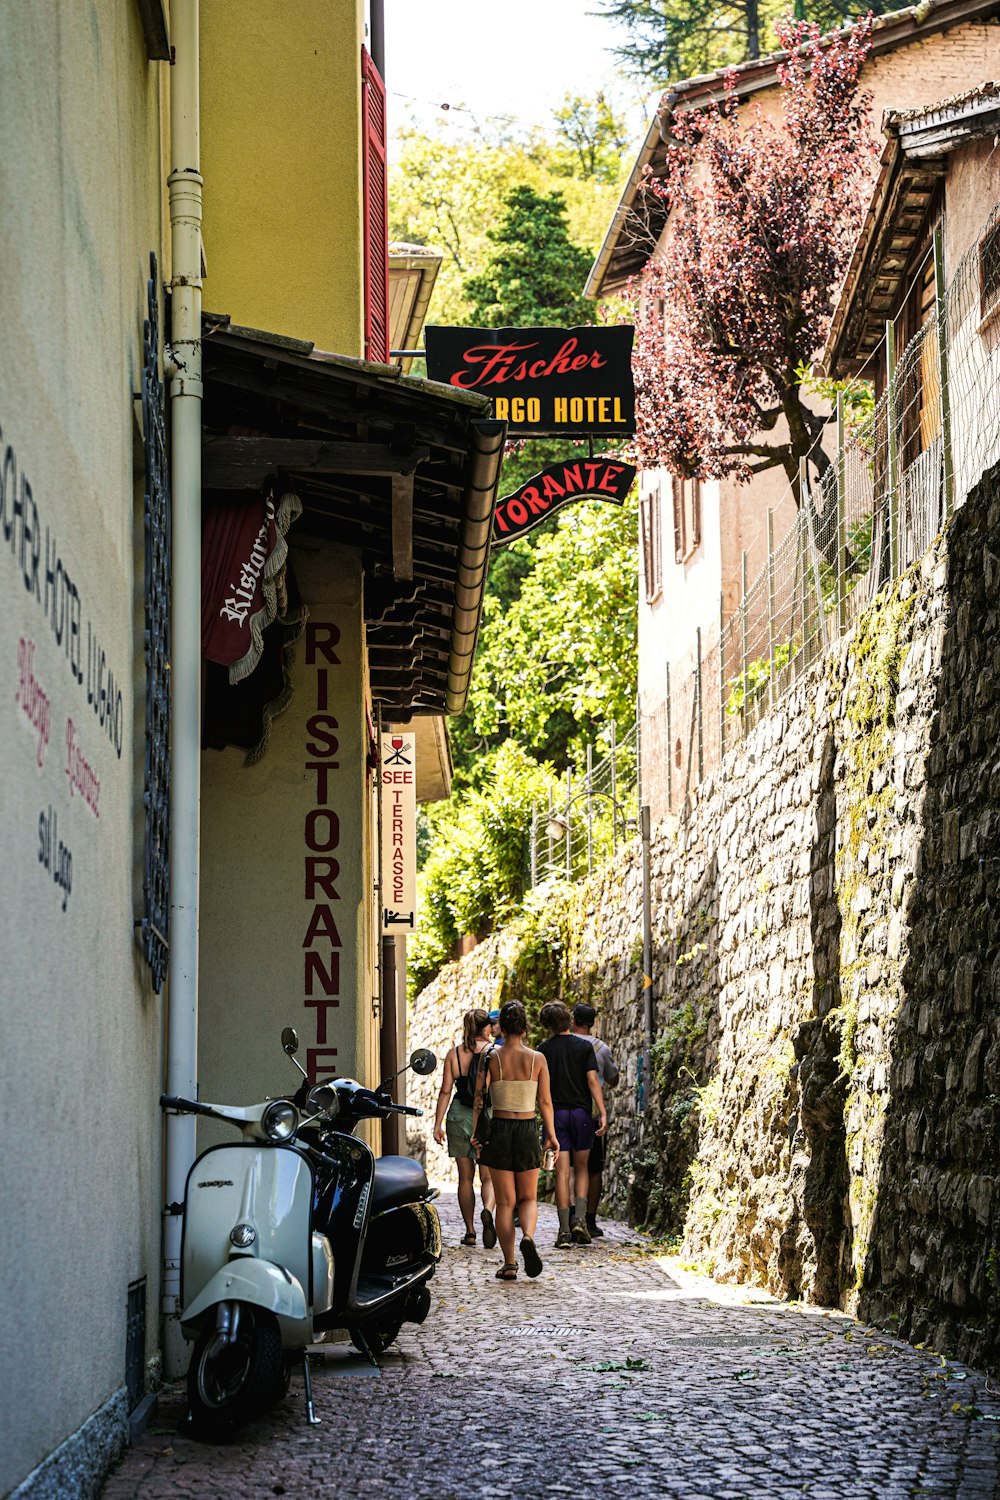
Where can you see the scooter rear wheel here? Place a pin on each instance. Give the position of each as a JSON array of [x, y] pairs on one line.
[[379, 1333], [230, 1383]]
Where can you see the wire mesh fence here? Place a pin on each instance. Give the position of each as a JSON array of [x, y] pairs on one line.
[[864, 514], [598, 813]]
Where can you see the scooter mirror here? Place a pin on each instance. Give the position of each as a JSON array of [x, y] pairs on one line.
[[290, 1040], [325, 1100], [423, 1060]]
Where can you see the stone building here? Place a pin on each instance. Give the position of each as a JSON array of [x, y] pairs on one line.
[[695, 534]]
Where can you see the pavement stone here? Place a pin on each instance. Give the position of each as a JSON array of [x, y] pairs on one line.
[[525, 1390]]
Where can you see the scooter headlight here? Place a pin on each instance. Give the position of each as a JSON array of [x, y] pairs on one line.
[[279, 1120]]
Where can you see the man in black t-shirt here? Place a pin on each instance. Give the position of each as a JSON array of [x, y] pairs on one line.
[[575, 1086]]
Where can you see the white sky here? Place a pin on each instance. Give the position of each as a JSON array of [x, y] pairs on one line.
[[496, 57]]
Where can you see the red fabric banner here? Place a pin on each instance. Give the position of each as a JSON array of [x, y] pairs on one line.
[[243, 558]]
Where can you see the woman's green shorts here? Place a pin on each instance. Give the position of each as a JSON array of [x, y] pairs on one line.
[[458, 1128]]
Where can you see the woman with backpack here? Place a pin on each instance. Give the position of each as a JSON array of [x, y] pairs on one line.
[[460, 1073]]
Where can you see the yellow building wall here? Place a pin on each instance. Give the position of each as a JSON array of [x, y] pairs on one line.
[[281, 159]]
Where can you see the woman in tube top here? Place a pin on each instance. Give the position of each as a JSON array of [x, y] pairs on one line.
[[518, 1080]]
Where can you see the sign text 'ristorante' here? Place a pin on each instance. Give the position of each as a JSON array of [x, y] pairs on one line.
[[542, 381]]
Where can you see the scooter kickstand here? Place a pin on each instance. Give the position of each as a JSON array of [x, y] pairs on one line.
[[311, 1416], [358, 1336]]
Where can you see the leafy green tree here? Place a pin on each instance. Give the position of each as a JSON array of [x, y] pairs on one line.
[[592, 137], [476, 873], [673, 39], [558, 663], [532, 272]]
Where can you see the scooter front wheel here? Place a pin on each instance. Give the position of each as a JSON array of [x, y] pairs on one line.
[[232, 1380]]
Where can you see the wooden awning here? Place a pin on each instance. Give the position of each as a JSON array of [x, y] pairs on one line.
[[404, 470]]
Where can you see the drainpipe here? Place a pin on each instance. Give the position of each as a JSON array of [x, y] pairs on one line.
[[183, 364]]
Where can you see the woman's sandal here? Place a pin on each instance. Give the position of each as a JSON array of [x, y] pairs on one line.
[[469, 1238], [532, 1259], [508, 1271]]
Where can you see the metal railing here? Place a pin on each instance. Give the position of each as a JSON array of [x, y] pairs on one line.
[[572, 834], [899, 466]]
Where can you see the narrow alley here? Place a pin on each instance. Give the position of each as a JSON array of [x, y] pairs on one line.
[[605, 1377]]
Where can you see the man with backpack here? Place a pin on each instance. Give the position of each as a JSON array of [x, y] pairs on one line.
[[576, 1091], [584, 1016]]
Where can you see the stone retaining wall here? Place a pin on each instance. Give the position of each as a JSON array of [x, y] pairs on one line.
[[823, 1113]]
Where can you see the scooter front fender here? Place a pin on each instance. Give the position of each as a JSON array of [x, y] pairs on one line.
[[261, 1283]]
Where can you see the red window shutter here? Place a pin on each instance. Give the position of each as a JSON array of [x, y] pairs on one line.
[[375, 209]]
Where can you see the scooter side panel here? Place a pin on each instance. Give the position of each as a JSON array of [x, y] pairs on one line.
[[343, 1207], [269, 1187]]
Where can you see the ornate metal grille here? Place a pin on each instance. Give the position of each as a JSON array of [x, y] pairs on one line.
[[156, 525], [135, 1343]]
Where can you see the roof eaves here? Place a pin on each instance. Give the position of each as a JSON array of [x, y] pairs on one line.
[[888, 32]]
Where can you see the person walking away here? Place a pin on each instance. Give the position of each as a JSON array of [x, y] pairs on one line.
[[518, 1079], [460, 1071], [576, 1089], [584, 1016]]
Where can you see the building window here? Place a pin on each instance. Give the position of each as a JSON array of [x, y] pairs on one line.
[[687, 518], [989, 272], [156, 518], [652, 547]]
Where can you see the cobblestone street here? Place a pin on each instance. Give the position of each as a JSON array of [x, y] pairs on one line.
[[608, 1377]]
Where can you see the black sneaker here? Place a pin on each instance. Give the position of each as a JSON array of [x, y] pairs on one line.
[[596, 1232], [564, 1240], [580, 1233], [489, 1230]]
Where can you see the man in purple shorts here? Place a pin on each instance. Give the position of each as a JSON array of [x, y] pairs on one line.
[[575, 1086]]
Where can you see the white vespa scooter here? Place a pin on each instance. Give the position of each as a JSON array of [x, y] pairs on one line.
[[274, 1237]]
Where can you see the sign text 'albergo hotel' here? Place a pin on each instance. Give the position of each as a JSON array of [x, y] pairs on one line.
[[542, 381]]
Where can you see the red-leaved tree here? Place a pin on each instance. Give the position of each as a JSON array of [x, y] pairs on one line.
[[763, 218]]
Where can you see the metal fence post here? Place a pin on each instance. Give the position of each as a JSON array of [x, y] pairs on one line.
[[590, 810], [534, 843], [892, 444], [697, 688], [569, 826], [746, 645], [722, 676], [770, 605], [613, 757], [670, 751], [841, 518], [945, 395], [550, 863], [810, 540]]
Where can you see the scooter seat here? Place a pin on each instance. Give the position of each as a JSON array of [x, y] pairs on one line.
[[398, 1180]]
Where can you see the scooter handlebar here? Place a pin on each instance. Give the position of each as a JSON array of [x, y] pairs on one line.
[[184, 1106], [407, 1109]]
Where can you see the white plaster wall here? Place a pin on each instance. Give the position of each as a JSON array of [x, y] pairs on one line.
[[255, 910], [80, 1059], [690, 593]]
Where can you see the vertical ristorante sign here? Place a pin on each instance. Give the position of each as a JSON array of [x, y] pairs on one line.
[[543, 382], [399, 834]]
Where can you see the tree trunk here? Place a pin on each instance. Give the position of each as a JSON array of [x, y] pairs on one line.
[[753, 29]]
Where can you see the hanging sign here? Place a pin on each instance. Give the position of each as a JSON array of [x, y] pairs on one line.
[[556, 485], [542, 381], [399, 834]]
